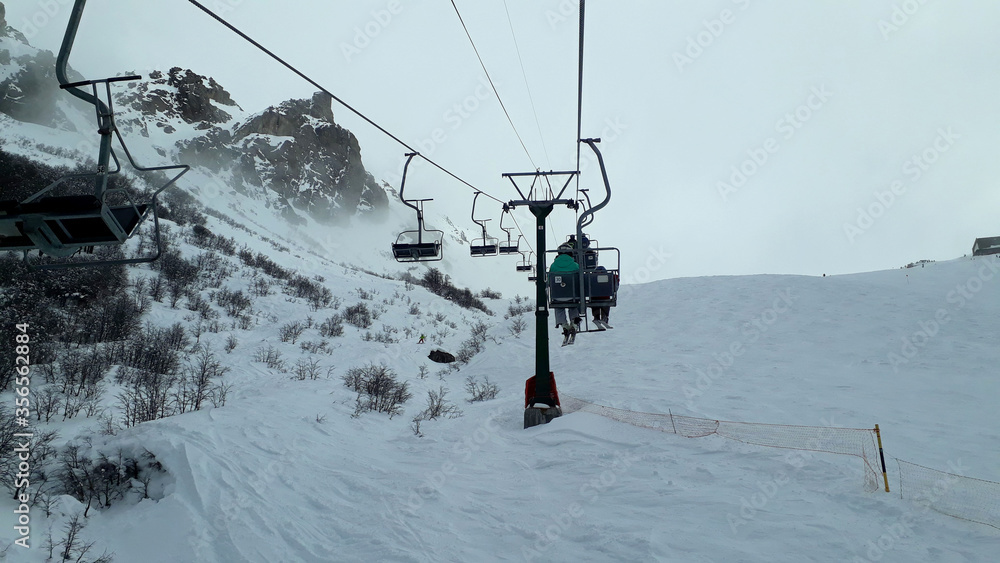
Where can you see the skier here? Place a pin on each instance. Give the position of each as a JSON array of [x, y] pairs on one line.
[[422, 338], [564, 264], [601, 312]]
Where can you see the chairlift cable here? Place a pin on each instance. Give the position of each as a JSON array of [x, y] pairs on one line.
[[524, 74], [528, 242], [305, 77], [497, 93]]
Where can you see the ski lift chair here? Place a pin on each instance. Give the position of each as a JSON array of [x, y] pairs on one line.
[[487, 245], [423, 250], [525, 264], [508, 247], [420, 245], [64, 225]]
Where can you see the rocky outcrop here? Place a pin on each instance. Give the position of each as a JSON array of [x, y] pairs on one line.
[[179, 94], [293, 157], [29, 89], [198, 97], [297, 151]]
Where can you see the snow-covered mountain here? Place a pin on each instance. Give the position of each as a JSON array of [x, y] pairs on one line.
[[288, 171], [293, 157]]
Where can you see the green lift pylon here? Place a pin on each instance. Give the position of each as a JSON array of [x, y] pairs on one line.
[[541, 399]]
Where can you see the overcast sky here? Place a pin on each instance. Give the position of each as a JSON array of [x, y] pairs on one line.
[[740, 136]]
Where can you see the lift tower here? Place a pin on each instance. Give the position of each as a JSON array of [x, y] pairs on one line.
[[541, 400]]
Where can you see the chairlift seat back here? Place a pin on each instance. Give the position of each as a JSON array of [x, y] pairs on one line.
[[429, 249], [602, 287], [483, 249], [509, 249], [416, 251], [564, 290], [60, 225]]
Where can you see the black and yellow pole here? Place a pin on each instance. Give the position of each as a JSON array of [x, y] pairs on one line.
[[881, 456]]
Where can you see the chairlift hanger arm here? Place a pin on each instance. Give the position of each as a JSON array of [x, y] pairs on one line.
[[62, 60], [588, 205], [607, 185], [481, 223], [402, 186]]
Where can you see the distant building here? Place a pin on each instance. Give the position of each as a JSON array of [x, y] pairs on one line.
[[987, 245]]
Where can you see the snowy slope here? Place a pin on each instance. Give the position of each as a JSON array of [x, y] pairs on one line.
[[284, 473]]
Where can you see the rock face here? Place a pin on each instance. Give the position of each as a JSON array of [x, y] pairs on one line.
[[298, 151], [177, 95], [293, 156], [29, 89]]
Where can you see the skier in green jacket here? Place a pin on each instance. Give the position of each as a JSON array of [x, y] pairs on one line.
[[562, 265]]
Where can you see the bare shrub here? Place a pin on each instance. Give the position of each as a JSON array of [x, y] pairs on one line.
[[291, 332], [358, 315], [479, 331], [314, 347], [378, 389], [270, 356], [477, 391], [469, 349], [517, 326], [333, 326], [307, 369], [490, 294], [236, 303], [516, 310], [231, 343]]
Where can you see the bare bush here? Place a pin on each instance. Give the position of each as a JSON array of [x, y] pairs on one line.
[[104, 479], [469, 349], [270, 356], [333, 326], [72, 547], [199, 379], [315, 347], [490, 294], [231, 343], [358, 315], [479, 331], [516, 310], [236, 303], [291, 332], [517, 326], [307, 369], [439, 407], [477, 391], [378, 389]]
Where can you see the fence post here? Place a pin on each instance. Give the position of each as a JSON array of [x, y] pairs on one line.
[[882, 457]]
